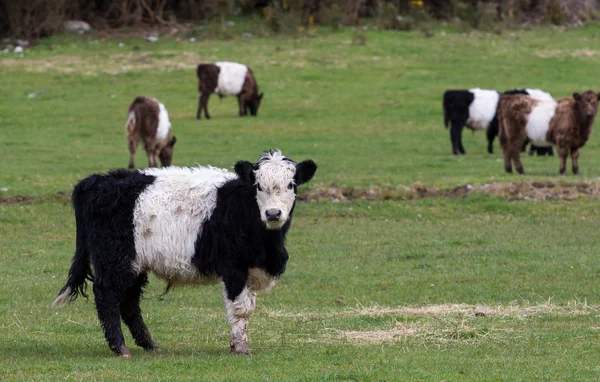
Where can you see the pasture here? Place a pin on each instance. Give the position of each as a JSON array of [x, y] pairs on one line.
[[438, 288]]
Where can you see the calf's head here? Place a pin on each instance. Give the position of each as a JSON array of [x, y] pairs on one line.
[[253, 103], [166, 152], [587, 104], [275, 180]]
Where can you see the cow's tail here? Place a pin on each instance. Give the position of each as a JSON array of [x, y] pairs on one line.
[[80, 268], [446, 119], [130, 125]]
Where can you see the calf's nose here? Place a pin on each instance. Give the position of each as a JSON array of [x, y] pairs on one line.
[[589, 113], [273, 214]]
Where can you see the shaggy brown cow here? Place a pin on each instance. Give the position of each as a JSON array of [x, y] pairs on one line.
[[228, 79], [149, 121], [565, 123]]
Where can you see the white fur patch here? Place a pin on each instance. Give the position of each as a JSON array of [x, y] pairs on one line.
[[539, 95], [274, 175], [538, 122], [168, 218], [164, 124], [231, 78], [62, 299], [483, 108]]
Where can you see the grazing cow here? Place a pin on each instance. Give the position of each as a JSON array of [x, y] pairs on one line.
[[228, 79], [474, 108], [148, 120], [565, 123], [188, 226]]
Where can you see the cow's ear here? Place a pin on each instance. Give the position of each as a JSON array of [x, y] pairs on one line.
[[305, 171], [577, 96], [598, 96], [261, 95], [245, 171], [172, 141]]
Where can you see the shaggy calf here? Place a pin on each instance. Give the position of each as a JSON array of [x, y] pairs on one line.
[[228, 79], [188, 226], [537, 94], [474, 108], [148, 120], [565, 123]]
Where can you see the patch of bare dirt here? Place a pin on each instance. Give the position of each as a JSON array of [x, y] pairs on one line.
[[510, 191], [29, 199]]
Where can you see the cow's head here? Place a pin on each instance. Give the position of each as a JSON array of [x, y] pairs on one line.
[[166, 152], [275, 180], [253, 103], [587, 104]]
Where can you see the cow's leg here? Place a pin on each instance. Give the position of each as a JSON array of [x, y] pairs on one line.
[[204, 103], [516, 158], [199, 112], [132, 143], [491, 133], [151, 151], [455, 137], [575, 161], [241, 105], [550, 151], [562, 153], [239, 304], [132, 314], [107, 306]]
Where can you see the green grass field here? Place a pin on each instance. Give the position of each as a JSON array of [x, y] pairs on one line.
[[446, 288]]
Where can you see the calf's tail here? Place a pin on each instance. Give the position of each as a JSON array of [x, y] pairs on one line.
[[446, 120], [80, 268]]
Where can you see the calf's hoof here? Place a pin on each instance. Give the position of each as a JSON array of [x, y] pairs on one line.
[[122, 352], [240, 348]]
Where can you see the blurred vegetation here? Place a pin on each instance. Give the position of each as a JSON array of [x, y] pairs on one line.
[[33, 19]]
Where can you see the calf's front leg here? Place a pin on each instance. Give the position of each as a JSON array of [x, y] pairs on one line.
[[239, 310], [575, 161]]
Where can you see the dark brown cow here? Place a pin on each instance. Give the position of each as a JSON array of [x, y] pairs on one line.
[[149, 121], [228, 79], [565, 123]]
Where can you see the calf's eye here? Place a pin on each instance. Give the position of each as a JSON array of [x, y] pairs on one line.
[[259, 187], [290, 186]]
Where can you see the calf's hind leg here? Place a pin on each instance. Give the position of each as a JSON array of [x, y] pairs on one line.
[[107, 306], [132, 314]]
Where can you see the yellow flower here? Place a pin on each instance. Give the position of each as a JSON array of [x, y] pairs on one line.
[[311, 20], [285, 6], [417, 2], [300, 29]]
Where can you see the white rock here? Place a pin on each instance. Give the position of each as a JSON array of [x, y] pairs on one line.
[[19, 49], [76, 26], [152, 38]]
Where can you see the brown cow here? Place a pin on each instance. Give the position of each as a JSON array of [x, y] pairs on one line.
[[565, 123], [149, 121], [228, 79]]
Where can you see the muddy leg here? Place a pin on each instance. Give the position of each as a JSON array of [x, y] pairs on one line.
[[238, 313]]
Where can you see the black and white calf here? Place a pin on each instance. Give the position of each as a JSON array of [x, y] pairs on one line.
[[188, 226], [474, 108]]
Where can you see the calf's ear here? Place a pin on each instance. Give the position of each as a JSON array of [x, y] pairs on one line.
[[244, 169], [172, 141], [577, 96], [305, 171]]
